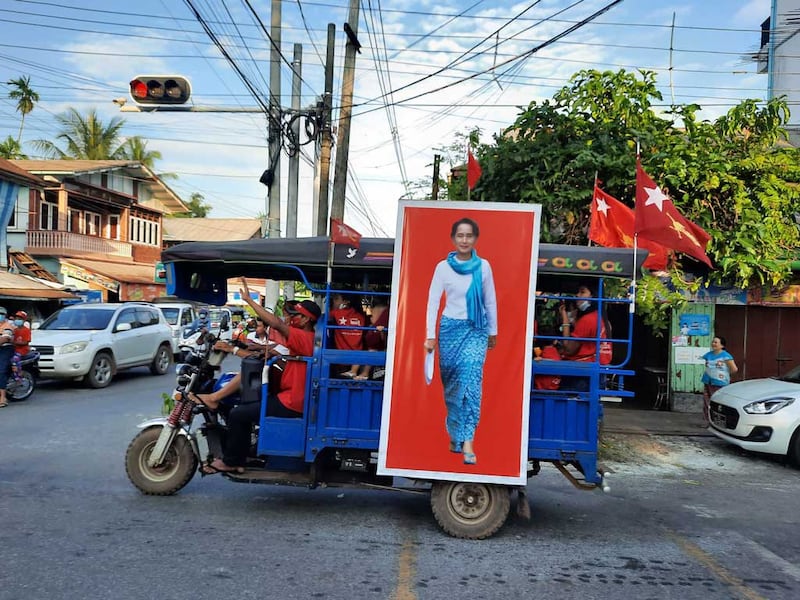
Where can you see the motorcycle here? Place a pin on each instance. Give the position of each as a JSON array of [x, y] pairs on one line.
[[24, 372], [163, 457]]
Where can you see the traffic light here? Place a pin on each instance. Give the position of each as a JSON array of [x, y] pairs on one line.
[[160, 89]]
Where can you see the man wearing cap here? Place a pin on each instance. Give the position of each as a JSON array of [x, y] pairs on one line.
[[287, 402], [6, 353]]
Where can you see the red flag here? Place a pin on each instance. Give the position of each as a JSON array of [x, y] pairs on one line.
[[344, 234], [473, 170], [612, 226], [658, 220]]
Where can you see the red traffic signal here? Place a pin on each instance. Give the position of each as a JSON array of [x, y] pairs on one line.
[[160, 89]]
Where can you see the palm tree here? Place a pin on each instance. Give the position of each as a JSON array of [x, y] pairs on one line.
[[25, 98], [135, 148], [86, 138], [10, 148]]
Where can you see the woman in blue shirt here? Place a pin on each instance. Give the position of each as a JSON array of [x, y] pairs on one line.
[[719, 368]]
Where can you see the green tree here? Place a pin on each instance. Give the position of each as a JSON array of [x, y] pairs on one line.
[[135, 148], [734, 176], [10, 148], [25, 97], [86, 138], [197, 207]]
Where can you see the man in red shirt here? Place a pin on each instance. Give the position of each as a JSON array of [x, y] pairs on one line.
[[286, 402]]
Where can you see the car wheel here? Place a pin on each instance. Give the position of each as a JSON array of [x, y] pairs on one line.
[[162, 360], [794, 448], [101, 372]]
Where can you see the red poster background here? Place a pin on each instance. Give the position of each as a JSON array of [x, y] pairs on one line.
[[417, 438]]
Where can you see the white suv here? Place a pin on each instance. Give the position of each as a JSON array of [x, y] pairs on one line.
[[97, 340]]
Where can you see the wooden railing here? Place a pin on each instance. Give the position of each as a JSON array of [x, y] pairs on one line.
[[61, 242]]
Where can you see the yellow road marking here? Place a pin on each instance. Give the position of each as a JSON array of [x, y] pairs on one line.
[[406, 571], [738, 586]]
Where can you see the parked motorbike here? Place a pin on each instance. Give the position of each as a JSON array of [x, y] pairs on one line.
[[164, 456], [22, 380]]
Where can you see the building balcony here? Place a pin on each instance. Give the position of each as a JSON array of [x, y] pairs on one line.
[[65, 243]]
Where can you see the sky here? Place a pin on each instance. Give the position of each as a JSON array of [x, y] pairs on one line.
[[427, 71]]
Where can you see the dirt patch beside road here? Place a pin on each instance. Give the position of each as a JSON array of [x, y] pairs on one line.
[[661, 453]]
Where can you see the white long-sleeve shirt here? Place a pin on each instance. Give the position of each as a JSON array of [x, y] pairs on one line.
[[454, 286]]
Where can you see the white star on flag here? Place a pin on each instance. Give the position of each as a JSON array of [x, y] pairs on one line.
[[655, 196], [602, 206]]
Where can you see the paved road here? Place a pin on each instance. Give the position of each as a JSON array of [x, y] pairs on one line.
[[689, 520]]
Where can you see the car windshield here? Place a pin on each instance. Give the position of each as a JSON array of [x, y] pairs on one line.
[[79, 318], [792, 376], [215, 316], [171, 315]]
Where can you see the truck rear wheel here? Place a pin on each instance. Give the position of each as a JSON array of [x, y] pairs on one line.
[[468, 510]]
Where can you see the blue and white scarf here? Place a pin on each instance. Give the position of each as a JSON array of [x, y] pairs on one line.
[[476, 311]]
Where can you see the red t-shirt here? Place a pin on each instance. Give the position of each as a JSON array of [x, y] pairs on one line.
[[548, 382], [348, 339], [376, 340], [293, 382], [22, 339], [586, 327]]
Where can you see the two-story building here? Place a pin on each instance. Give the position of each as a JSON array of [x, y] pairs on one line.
[[95, 224]]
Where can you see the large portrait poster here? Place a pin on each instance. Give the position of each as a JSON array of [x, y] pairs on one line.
[[457, 389]]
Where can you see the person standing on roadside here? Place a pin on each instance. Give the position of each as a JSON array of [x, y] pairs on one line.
[[719, 368]]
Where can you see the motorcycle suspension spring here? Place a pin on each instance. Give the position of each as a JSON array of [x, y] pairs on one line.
[[186, 412]]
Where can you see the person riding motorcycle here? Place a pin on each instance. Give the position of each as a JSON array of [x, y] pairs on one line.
[[6, 353], [22, 333]]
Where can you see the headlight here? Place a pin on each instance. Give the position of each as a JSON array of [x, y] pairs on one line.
[[768, 406], [74, 347]]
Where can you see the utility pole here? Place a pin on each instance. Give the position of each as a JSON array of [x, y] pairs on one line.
[[272, 288], [321, 212], [437, 159], [294, 160], [345, 112], [274, 212]]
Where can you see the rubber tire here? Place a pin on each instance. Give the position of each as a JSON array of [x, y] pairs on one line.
[[31, 386], [794, 449], [162, 360], [468, 510], [101, 372], [177, 470]]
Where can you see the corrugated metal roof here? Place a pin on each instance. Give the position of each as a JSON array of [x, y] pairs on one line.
[[15, 172], [125, 272], [77, 167], [17, 286], [210, 230]]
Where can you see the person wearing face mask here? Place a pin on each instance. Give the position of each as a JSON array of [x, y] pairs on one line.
[[22, 333], [6, 353], [586, 326], [286, 402]]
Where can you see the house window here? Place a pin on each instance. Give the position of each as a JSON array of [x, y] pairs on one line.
[[92, 223], [12, 223], [48, 218], [144, 232], [104, 180]]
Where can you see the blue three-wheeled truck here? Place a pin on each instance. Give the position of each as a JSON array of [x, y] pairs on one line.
[[336, 441]]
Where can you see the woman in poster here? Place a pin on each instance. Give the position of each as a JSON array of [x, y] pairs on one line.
[[468, 327]]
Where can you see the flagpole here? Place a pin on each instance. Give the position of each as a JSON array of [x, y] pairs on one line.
[[635, 244], [467, 178]]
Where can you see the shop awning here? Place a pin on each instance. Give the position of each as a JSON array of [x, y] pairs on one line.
[[122, 272], [14, 286]]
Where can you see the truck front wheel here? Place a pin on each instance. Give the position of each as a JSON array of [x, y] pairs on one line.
[[469, 510]]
